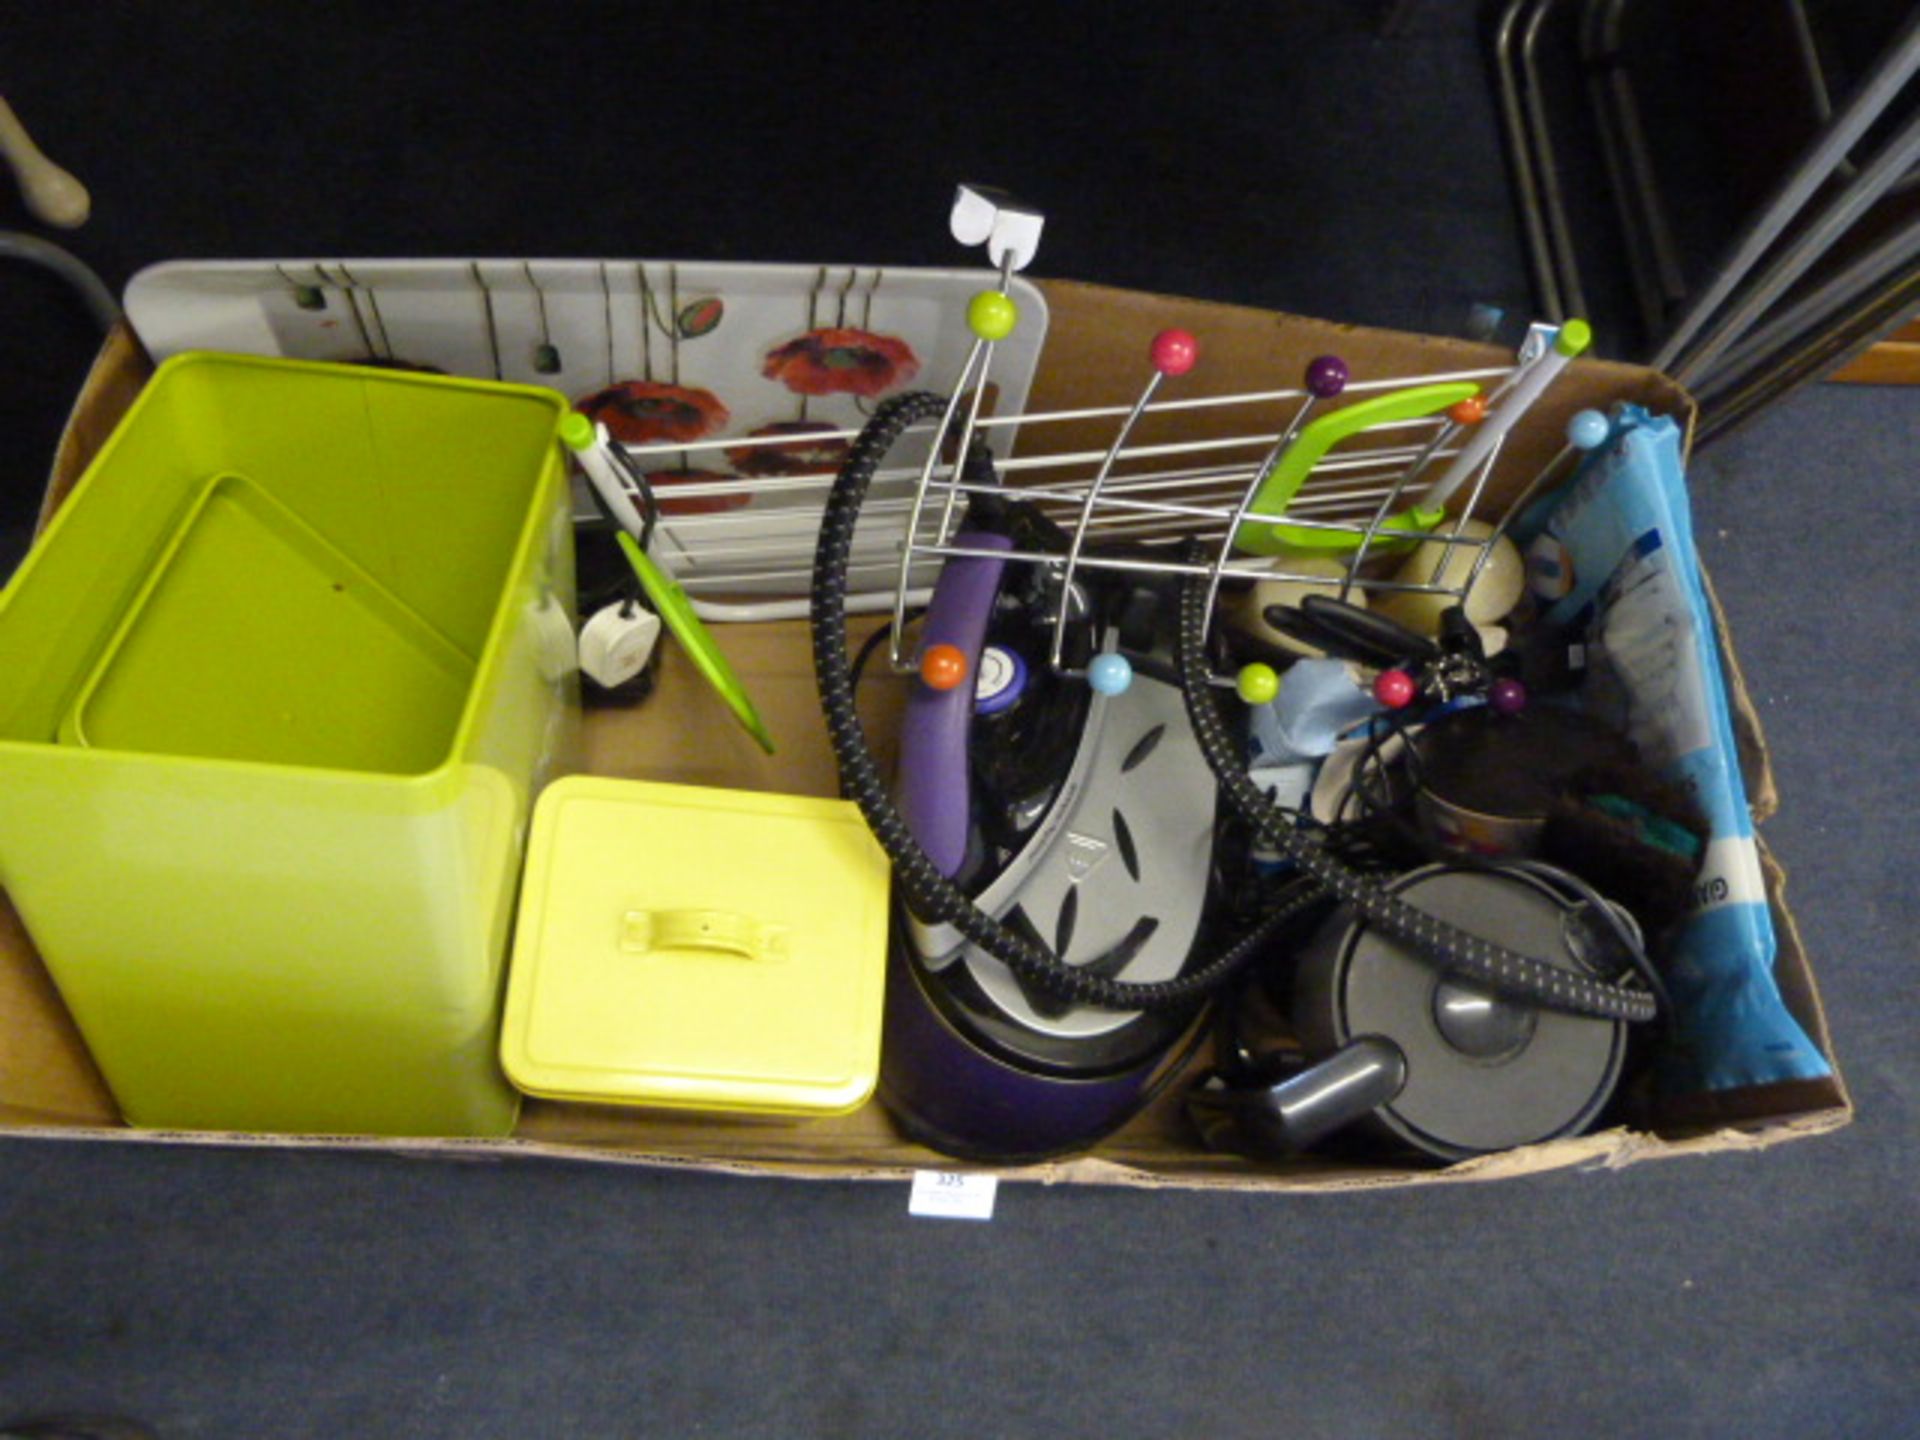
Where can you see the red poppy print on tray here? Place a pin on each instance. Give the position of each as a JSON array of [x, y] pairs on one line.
[[643, 412], [840, 360], [801, 456]]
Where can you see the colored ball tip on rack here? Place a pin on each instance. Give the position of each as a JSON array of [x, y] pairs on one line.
[[943, 667], [1470, 411], [1327, 376], [1110, 674], [991, 315], [1574, 338], [1257, 684], [1174, 352], [1507, 696], [1395, 689], [1587, 430]]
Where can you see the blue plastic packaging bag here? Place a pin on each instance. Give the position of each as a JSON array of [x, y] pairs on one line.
[[1619, 541]]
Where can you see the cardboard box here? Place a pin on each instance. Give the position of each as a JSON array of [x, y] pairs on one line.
[[1098, 336]]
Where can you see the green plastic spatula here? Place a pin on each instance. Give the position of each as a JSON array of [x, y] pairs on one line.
[[1283, 481], [676, 613]]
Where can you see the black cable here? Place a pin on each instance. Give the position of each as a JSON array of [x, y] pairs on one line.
[[1507, 972], [650, 506], [1636, 950], [929, 893], [1381, 807], [1377, 797], [1369, 784], [16, 245], [632, 594]]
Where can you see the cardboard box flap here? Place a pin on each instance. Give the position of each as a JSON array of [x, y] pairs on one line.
[[46, 1074], [118, 372]]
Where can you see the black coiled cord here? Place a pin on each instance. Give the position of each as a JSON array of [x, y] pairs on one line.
[[1449, 948], [929, 893]]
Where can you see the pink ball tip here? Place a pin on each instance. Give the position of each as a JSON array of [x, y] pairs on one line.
[[1395, 689], [1175, 352]]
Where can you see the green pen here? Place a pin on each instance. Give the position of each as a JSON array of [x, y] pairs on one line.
[[676, 612]]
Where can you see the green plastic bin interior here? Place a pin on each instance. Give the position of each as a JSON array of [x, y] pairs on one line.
[[283, 677], [255, 639]]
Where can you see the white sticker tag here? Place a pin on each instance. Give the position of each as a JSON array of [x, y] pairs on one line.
[[950, 1195]]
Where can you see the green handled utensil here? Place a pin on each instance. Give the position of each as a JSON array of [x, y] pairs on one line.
[[676, 612], [1289, 472]]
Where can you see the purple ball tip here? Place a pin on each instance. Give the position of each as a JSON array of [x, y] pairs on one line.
[[1326, 377], [1507, 697]]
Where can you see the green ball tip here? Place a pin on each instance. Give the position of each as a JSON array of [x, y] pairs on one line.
[[1574, 337]]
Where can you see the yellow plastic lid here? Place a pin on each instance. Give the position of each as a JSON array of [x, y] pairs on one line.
[[698, 949]]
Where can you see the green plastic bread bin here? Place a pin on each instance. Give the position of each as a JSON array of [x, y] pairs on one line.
[[281, 682]]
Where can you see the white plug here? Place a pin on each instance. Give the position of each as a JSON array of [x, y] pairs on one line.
[[617, 642]]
